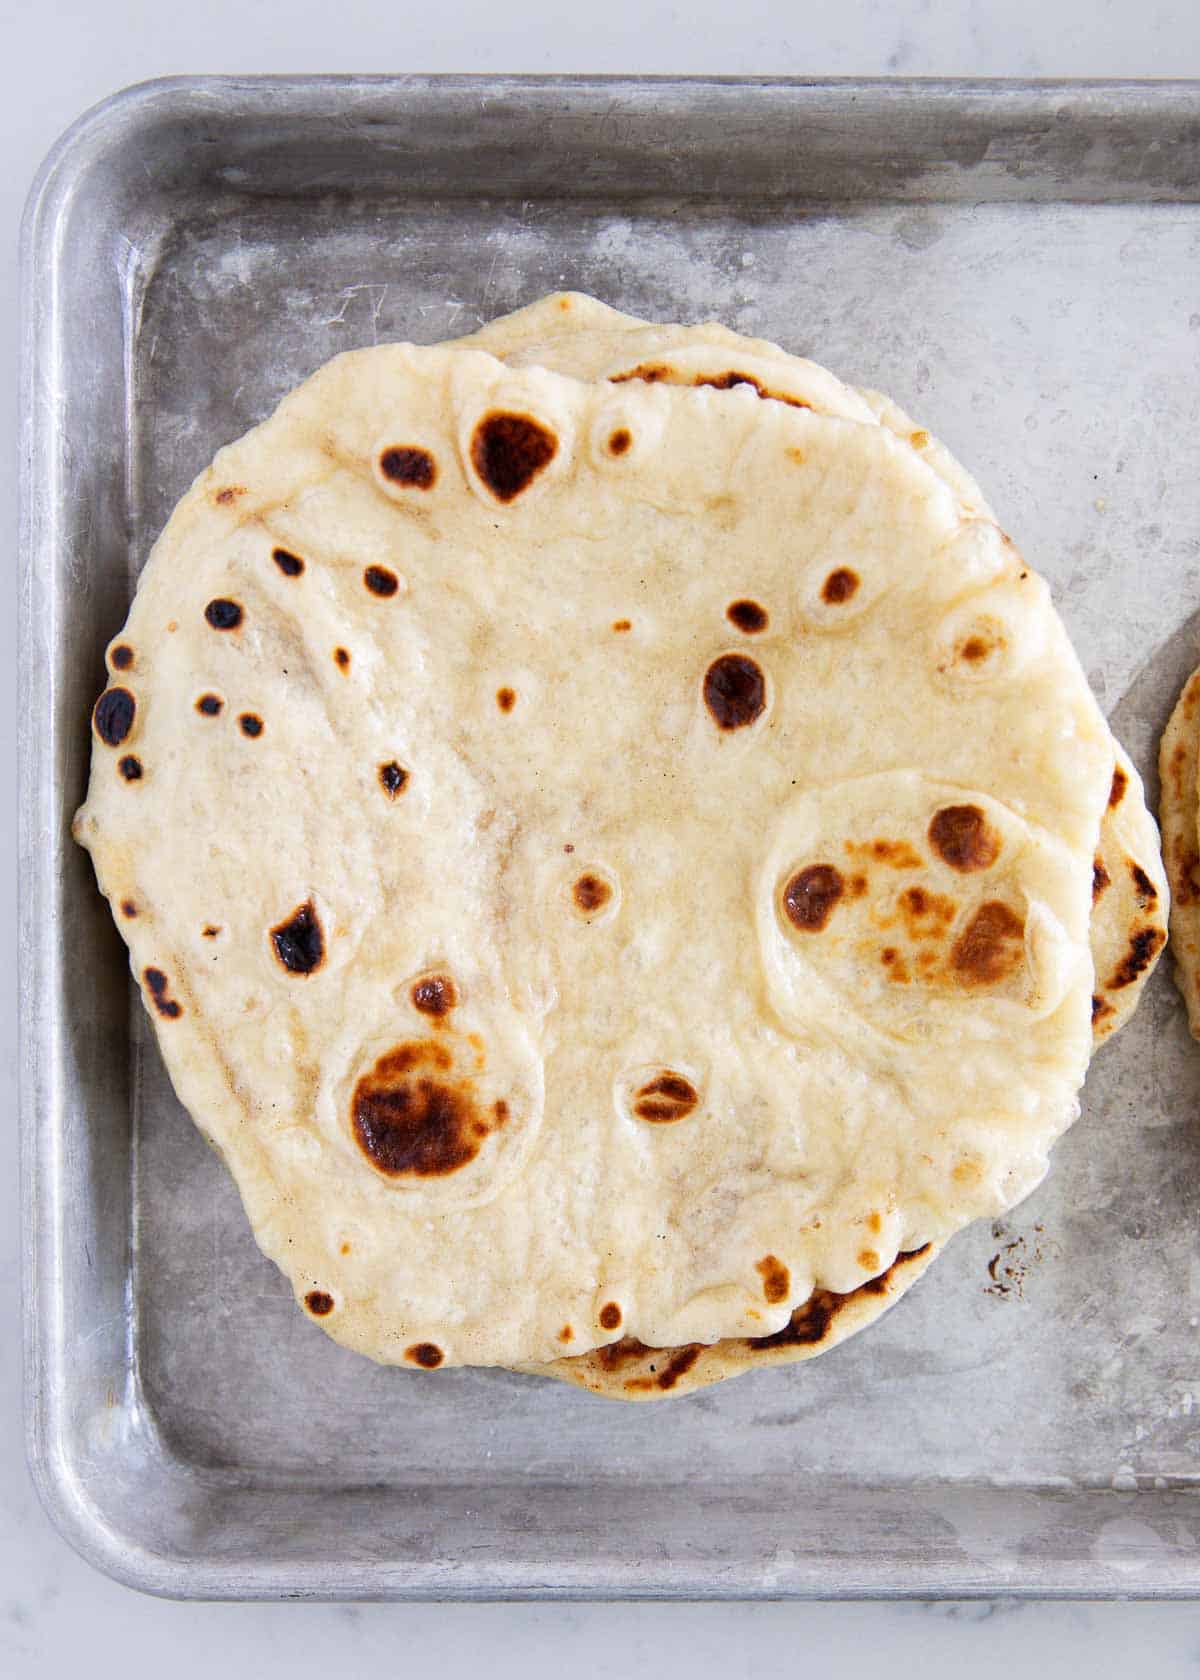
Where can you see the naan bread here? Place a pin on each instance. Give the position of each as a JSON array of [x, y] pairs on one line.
[[578, 335], [1181, 846], [602, 862]]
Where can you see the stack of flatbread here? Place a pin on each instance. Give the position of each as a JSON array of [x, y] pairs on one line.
[[617, 846]]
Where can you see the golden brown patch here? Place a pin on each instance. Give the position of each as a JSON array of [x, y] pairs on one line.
[[299, 940], [1100, 878], [506, 699], [591, 893], [1120, 781], [897, 968], [735, 691], [1144, 945], [159, 987], [990, 947], [919, 439], [566, 1334], [926, 915], [776, 1279], [621, 624], [410, 465], [435, 995], [229, 494], [1143, 886], [665, 1098], [841, 585], [410, 1117], [610, 1316], [341, 658], [620, 441], [750, 618], [869, 1260], [811, 896], [874, 1223], [896, 854], [509, 451], [962, 838], [974, 649], [651, 372]]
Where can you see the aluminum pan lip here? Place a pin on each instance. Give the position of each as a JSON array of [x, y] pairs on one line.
[[46, 1186]]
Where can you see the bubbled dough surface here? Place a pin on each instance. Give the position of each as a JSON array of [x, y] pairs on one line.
[[803, 1130]]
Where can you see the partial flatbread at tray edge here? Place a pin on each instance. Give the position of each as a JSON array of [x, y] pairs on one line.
[[1181, 844], [634, 995], [576, 334]]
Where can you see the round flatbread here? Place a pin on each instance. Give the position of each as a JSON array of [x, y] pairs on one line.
[[1181, 847], [603, 861]]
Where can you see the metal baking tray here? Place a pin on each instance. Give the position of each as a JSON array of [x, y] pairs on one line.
[[1018, 266]]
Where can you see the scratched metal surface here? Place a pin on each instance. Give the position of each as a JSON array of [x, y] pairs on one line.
[[1017, 266]]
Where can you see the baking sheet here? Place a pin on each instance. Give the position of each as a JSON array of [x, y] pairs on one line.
[[1017, 266]]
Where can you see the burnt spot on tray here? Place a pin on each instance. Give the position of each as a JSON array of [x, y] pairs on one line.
[[776, 1279], [508, 451], [121, 657], [735, 691], [223, 614], [250, 724], [159, 988], [1143, 886], [990, 947], [410, 1116], [840, 586], [428, 1355], [610, 1316], [506, 698], [1144, 945], [289, 564], [318, 1303], [434, 994], [1116, 792], [113, 715], [299, 941], [209, 705], [619, 441], [748, 616], [341, 658], [128, 908], [410, 465], [810, 897], [591, 893], [130, 767], [667, 1097], [380, 581], [1101, 880], [961, 837], [393, 778]]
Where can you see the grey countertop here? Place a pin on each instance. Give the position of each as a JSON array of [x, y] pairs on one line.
[[56, 1615]]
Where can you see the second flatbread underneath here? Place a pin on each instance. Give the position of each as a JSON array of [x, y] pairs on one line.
[[628, 1370]]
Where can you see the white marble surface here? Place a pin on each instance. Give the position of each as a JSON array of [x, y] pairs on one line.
[[56, 1616]]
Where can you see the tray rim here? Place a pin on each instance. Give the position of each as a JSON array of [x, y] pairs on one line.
[[119, 1552]]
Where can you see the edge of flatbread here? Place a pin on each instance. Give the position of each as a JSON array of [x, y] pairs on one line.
[[628, 1370], [1181, 843]]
